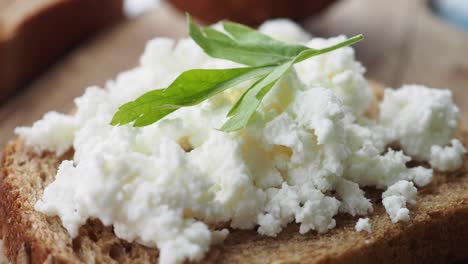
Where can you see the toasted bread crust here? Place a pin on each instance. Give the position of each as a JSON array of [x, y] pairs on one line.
[[34, 34], [436, 233]]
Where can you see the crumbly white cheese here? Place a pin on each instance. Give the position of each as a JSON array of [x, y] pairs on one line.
[[395, 199], [353, 200], [284, 205], [54, 132], [319, 156], [366, 167], [338, 71], [285, 30], [448, 158], [303, 158], [363, 224], [420, 118]]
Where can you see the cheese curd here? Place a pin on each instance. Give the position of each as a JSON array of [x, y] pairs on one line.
[[420, 118], [395, 199], [339, 71], [54, 132], [363, 224], [285, 30], [353, 200], [448, 158], [304, 158]]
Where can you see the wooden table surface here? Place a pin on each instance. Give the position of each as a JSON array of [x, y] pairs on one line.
[[404, 43]]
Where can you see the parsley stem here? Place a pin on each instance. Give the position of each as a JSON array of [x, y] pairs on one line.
[[313, 52]]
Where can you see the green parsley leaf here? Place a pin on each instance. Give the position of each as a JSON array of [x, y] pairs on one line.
[[245, 107], [269, 59], [190, 88], [306, 54], [244, 45]]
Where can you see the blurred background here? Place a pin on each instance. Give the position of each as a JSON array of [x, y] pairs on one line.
[[51, 50]]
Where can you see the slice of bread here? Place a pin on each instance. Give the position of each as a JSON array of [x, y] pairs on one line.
[[34, 34], [436, 233]]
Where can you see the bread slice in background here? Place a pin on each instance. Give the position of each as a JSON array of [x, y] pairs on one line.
[[35, 33], [436, 233]]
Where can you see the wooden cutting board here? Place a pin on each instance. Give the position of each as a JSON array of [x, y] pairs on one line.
[[404, 44]]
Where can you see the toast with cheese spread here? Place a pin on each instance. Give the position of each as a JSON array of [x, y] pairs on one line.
[[436, 233]]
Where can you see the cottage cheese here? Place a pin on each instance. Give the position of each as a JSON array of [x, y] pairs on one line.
[[353, 200], [420, 117], [285, 30], [366, 163], [338, 71], [448, 158], [54, 132], [395, 199], [303, 159], [363, 224]]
